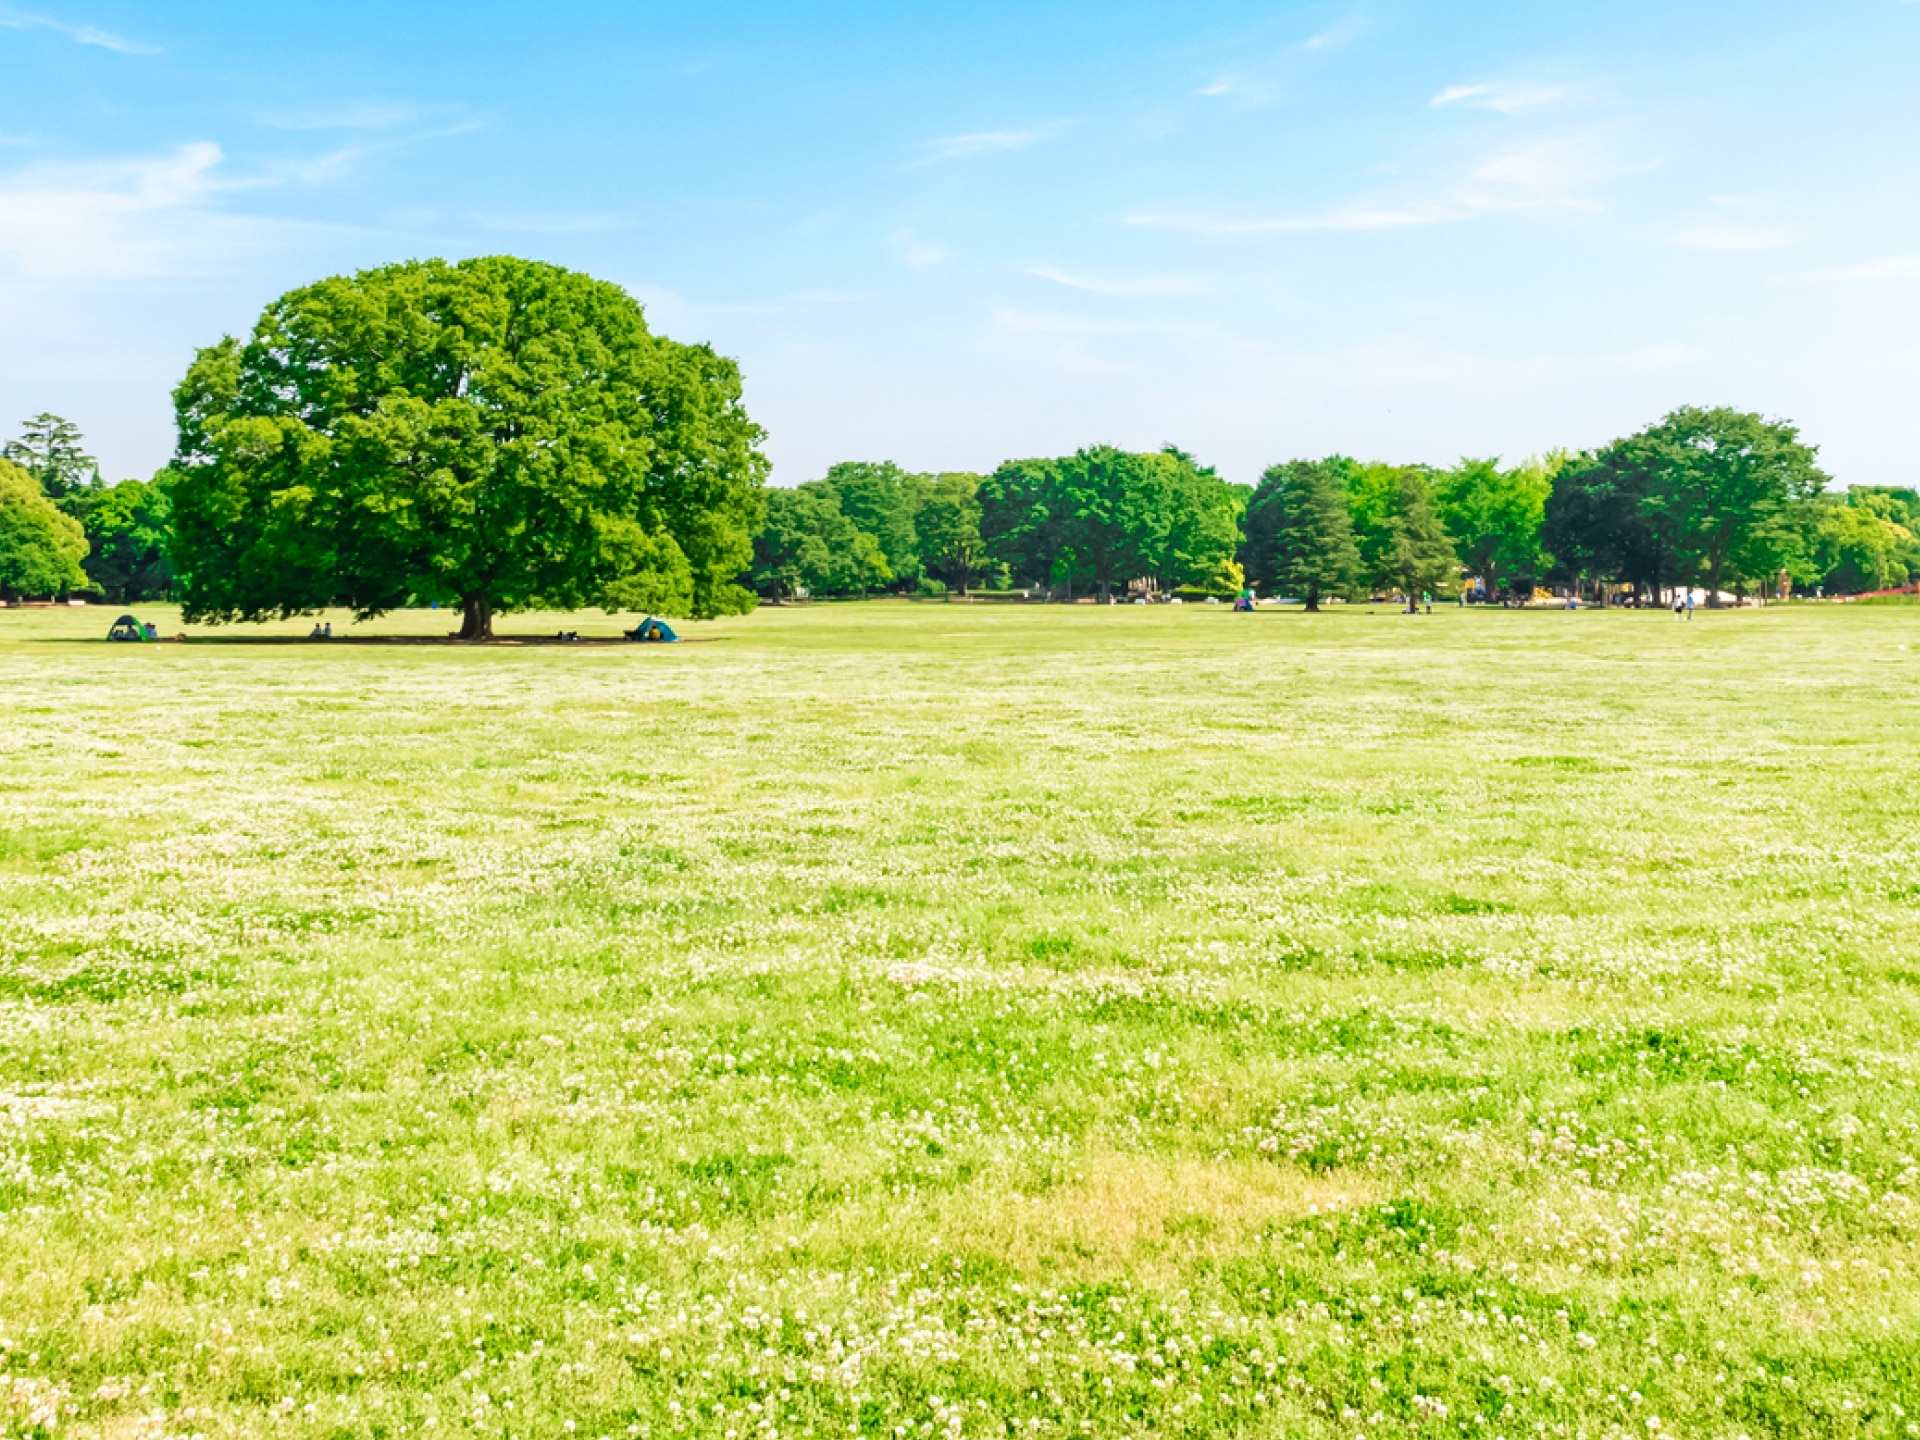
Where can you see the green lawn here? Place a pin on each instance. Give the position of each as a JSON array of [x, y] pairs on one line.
[[941, 1020]]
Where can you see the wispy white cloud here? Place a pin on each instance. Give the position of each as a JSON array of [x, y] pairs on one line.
[[918, 253], [1145, 287], [331, 164], [1162, 324], [1724, 236], [1891, 267], [985, 142], [683, 311], [1342, 217], [1734, 223], [349, 115], [155, 216], [1557, 174], [1344, 32], [537, 223], [1553, 175], [1258, 82], [11, 19], [1076, 343], [1504, 98]]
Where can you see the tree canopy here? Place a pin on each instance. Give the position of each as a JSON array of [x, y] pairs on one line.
[[127, 527], [40, 547], [1710, 480], [883, 501], [1418, 554], [1494, 517], [51, 450], [952, 549], [497, 434], [1719, 496], [500, 434], [1866, 540], [1101, 517], [806, 544], [1309, 531], [1595, 524]]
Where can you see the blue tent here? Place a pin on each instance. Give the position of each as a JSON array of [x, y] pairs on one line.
[[652, 629]]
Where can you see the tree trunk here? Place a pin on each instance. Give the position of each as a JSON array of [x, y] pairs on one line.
[[1713, 581], [476, 618], [1313, 601]]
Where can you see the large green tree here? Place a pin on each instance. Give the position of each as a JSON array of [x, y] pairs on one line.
[[1856, 543], [1711, 479], [806, 543], [1309, 530], [1418, 554], [1113, 510], [1494, 517], [128, 528], [1596, 525], [40, 546], [884, 501], [497, 434], [1020, 524], [1372, 491], [1202, 522], [50, 449], [1102, 516], [948, 528]]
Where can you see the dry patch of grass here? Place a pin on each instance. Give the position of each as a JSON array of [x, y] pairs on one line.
[[1142, 1214]]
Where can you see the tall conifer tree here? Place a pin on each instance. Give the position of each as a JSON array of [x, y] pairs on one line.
[[1313, 551], [1419, 555]]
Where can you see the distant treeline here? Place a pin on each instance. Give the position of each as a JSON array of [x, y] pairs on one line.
[[64, 531], [1714, 498]]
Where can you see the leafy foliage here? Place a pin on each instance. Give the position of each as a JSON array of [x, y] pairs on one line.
[[1710, 481], [807, 545], [1596, 526], [1418, 555], [50, 449], [1495, 516], [40, 547], [128, 527], [1308, 531], [952, 549], [1101, 517], [1868, 541], [883, 501], [496, 433]]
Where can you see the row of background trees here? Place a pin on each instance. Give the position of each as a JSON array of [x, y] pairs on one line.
[[1716, 498], [63, 530]]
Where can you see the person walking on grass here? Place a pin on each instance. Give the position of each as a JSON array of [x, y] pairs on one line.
[[1689, 604]]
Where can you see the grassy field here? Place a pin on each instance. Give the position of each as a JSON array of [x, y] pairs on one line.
[[931, 1020]]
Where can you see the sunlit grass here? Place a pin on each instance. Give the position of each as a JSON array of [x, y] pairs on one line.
[[940, 1019]]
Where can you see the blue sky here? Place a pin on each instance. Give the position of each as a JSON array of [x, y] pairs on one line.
[[948, 235]]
